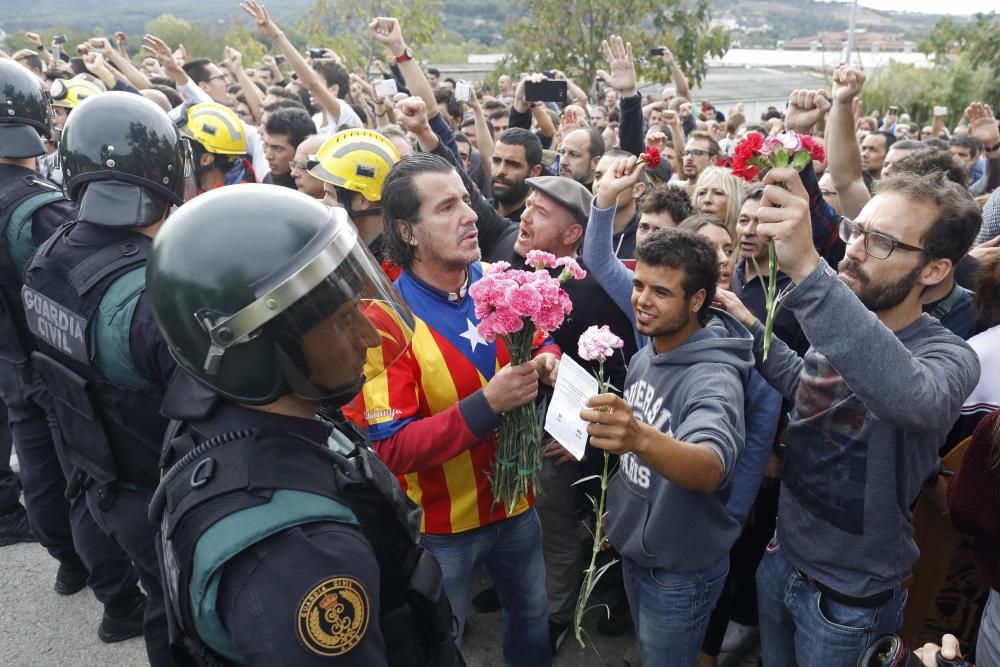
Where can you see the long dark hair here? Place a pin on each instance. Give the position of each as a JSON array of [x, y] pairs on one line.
[[401, 203]]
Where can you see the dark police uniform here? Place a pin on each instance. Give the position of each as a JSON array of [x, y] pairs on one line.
[[100, 354], [31, 209], [286, 541], [106, 365]]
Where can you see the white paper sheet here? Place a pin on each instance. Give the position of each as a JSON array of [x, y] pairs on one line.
[[574, 385]]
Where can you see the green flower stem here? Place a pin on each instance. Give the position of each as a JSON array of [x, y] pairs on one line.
[[518, 457], [591, 575]]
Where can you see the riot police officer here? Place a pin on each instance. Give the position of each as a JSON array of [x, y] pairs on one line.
[[100, 352], [31, 209], [284, 539]]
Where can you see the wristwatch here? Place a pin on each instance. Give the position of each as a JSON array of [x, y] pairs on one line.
[[992, 149], [407, 54]]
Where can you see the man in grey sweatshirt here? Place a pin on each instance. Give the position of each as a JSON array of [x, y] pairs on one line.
[[680, 430], [874, 398]]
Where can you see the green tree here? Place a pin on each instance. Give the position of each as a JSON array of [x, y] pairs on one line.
[[916, 90], [567, 35], [976, 41], [199, 40], [343, 25]]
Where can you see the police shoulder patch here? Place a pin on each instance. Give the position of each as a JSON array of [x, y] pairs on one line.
[[333, 616]]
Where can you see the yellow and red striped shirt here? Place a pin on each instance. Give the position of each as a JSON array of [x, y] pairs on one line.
[[417, 411]]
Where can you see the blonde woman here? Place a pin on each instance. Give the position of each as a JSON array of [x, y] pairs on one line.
[[715, 231], [720, 194]]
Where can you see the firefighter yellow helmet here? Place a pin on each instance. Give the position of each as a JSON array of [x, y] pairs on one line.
[[217, 128], [70, 92], [357, 160]]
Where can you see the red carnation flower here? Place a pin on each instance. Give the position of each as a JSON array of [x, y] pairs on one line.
[[651, 157], [814, 147]]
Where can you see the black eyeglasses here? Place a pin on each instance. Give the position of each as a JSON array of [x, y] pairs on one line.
[[877, 245], [696, 152]]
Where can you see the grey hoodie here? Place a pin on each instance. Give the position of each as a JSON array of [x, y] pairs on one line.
[[695, 394]]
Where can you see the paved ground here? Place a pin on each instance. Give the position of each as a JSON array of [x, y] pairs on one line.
[[40, 628]]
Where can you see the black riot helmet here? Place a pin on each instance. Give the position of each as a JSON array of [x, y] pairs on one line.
[[123, 160], [261, 291], [24, 112]]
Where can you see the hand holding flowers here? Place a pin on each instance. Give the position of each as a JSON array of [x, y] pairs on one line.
[[756, 156], [596, 344], [516, 306]]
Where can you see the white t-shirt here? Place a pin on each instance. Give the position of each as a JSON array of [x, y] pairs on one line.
[[985, 397], [327, 125]]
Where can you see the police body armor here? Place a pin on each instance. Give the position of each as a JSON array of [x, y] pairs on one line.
[[22, 192], [236, 489], [113, 433]]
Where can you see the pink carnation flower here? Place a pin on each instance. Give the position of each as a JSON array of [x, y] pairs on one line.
[[525, 300], [571, 269], [791, 141], [500, 323], [539, 259], [496, 267], [597, 344]]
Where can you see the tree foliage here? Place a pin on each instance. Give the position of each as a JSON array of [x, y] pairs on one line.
[[343, 25], [199, 40], [567, 35], [916, 90], [977, 42]]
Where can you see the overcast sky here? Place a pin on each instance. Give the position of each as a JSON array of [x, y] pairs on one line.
[[933, 6]]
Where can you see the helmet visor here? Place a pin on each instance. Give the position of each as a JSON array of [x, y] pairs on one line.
[[190, 181], [347, 330]]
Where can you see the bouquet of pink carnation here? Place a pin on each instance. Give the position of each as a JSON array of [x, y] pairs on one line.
[[754, 156], [596, 344], [513, 306]]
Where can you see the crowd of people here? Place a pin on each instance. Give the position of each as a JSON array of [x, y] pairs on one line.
[[241, 366]]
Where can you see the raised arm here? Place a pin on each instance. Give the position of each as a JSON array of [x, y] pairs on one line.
[[329, 102], [233, 62], [618, 55], [387, 31], [676, 74], [576, 93], [984, 127], [122, 64], [598, 251], [484, 139], [842, 152]]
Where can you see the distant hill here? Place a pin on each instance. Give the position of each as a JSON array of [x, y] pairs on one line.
[[760, 22]]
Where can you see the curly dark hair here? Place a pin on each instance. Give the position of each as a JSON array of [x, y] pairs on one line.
[[678, 248], [669, 199]]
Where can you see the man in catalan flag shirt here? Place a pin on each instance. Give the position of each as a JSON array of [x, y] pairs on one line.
[[432, 416]]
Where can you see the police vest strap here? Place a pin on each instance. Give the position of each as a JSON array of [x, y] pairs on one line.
[[16, 189], [111, 259]]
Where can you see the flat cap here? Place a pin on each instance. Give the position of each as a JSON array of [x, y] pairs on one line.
[[567, 192]]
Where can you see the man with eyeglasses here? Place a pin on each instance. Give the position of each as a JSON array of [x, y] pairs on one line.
[[874, 398], [699, 154]]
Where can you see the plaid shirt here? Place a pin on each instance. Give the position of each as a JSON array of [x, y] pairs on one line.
[[825, 220]]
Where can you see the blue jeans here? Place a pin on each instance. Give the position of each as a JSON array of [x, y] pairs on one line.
[[512, 552], [800, 625], [671, 610]]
